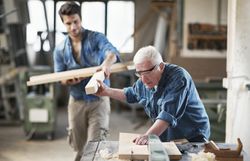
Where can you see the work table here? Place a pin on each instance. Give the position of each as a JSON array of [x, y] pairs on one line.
[[92, 149], [91, 152]]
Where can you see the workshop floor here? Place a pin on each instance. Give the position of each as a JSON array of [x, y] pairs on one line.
[[14, 147]]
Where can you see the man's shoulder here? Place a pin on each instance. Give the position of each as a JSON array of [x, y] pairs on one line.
[[174, 71], [92, 33], [175, 68], [61, 45]]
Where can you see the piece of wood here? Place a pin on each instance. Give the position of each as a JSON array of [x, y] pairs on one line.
[[92, 86], [71, 74], [213, 145], [129, 150], [224, 153], [239, 158]]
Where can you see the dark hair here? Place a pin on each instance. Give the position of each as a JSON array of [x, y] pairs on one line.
[[70, 8]]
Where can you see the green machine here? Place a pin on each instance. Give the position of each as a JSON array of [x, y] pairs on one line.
[[214, 96], [39, 106]]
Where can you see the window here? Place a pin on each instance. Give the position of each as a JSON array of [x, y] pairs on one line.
[[93, 16], [121, 25], [60, 28], [36, 29], [120, 22], [37, 23]]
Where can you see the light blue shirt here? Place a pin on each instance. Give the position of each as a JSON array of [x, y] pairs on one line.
[[174, 100], [95, 46]]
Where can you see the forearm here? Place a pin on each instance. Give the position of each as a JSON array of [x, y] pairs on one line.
[[115, 93], [109, 60], [158, 127]]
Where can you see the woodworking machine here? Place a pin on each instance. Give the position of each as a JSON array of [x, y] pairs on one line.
[[157, 151], [40, 107]]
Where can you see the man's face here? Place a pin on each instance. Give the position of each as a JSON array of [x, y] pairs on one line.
[[149, 73], [72, 24]]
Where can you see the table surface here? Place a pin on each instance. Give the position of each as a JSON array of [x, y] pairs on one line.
[[91, 151]]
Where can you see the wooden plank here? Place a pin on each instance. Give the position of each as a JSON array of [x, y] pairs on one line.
[[239, 158], [71, 74], [172, 150], [129, 150], [92, 85]]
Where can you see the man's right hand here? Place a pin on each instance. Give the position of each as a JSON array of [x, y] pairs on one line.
[[72, 81], [102, 89]]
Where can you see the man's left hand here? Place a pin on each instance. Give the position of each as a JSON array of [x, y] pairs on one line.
[[141, 140]]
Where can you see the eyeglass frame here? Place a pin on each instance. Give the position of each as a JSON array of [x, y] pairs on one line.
[[139, 73]]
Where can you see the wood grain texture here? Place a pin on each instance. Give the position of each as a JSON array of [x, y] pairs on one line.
[[71, 74], [129, 150], [92, 86]]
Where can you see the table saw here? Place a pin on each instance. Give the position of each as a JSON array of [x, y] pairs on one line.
[[120, 151]]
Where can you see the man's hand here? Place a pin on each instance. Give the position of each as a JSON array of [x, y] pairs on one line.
[[141, 140], [72, 81], [107, 63], [102, 90], [106, 70]]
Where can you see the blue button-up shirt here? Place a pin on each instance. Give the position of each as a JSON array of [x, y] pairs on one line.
[[95, 46], [176, 101]]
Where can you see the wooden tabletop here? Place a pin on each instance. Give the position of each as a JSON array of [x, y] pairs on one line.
[[92, 150]]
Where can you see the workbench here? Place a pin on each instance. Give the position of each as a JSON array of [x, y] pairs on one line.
[[91, 151]]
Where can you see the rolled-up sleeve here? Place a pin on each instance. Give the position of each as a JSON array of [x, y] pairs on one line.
[[106, 46], [163, 115], [130, 95]]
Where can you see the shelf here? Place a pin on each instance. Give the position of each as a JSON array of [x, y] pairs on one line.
[[207, 37]]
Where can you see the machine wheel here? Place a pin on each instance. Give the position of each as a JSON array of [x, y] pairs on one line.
[[50, 136]]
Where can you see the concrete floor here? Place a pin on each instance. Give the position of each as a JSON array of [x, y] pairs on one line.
[[14, 146]]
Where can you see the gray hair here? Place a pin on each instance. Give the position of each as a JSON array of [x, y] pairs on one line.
[[148, 53]]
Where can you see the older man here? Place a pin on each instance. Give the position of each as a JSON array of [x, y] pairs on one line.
[[169, 97]]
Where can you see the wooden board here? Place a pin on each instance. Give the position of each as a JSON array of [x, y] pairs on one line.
[[77, 73], [92, 86], [240, 158], [129, 150]]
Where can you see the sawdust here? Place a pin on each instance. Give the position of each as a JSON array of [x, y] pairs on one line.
[[202, 156], [107, 154]]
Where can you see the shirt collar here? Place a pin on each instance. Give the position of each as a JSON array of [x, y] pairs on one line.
[[163, 76]]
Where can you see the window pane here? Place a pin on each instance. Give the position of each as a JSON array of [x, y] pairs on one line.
[[93, 16], [37, 23], [50, 13], [37, 20], [59, 25], [37, 17], [121, 25]]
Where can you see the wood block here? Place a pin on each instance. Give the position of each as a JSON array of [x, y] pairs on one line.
[[92, 86], [239, 158], [129, 150]]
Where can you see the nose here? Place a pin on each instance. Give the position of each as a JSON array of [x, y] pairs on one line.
[[73, 26], [144, 78]]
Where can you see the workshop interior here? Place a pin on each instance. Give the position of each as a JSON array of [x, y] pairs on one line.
[[210, 39]]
